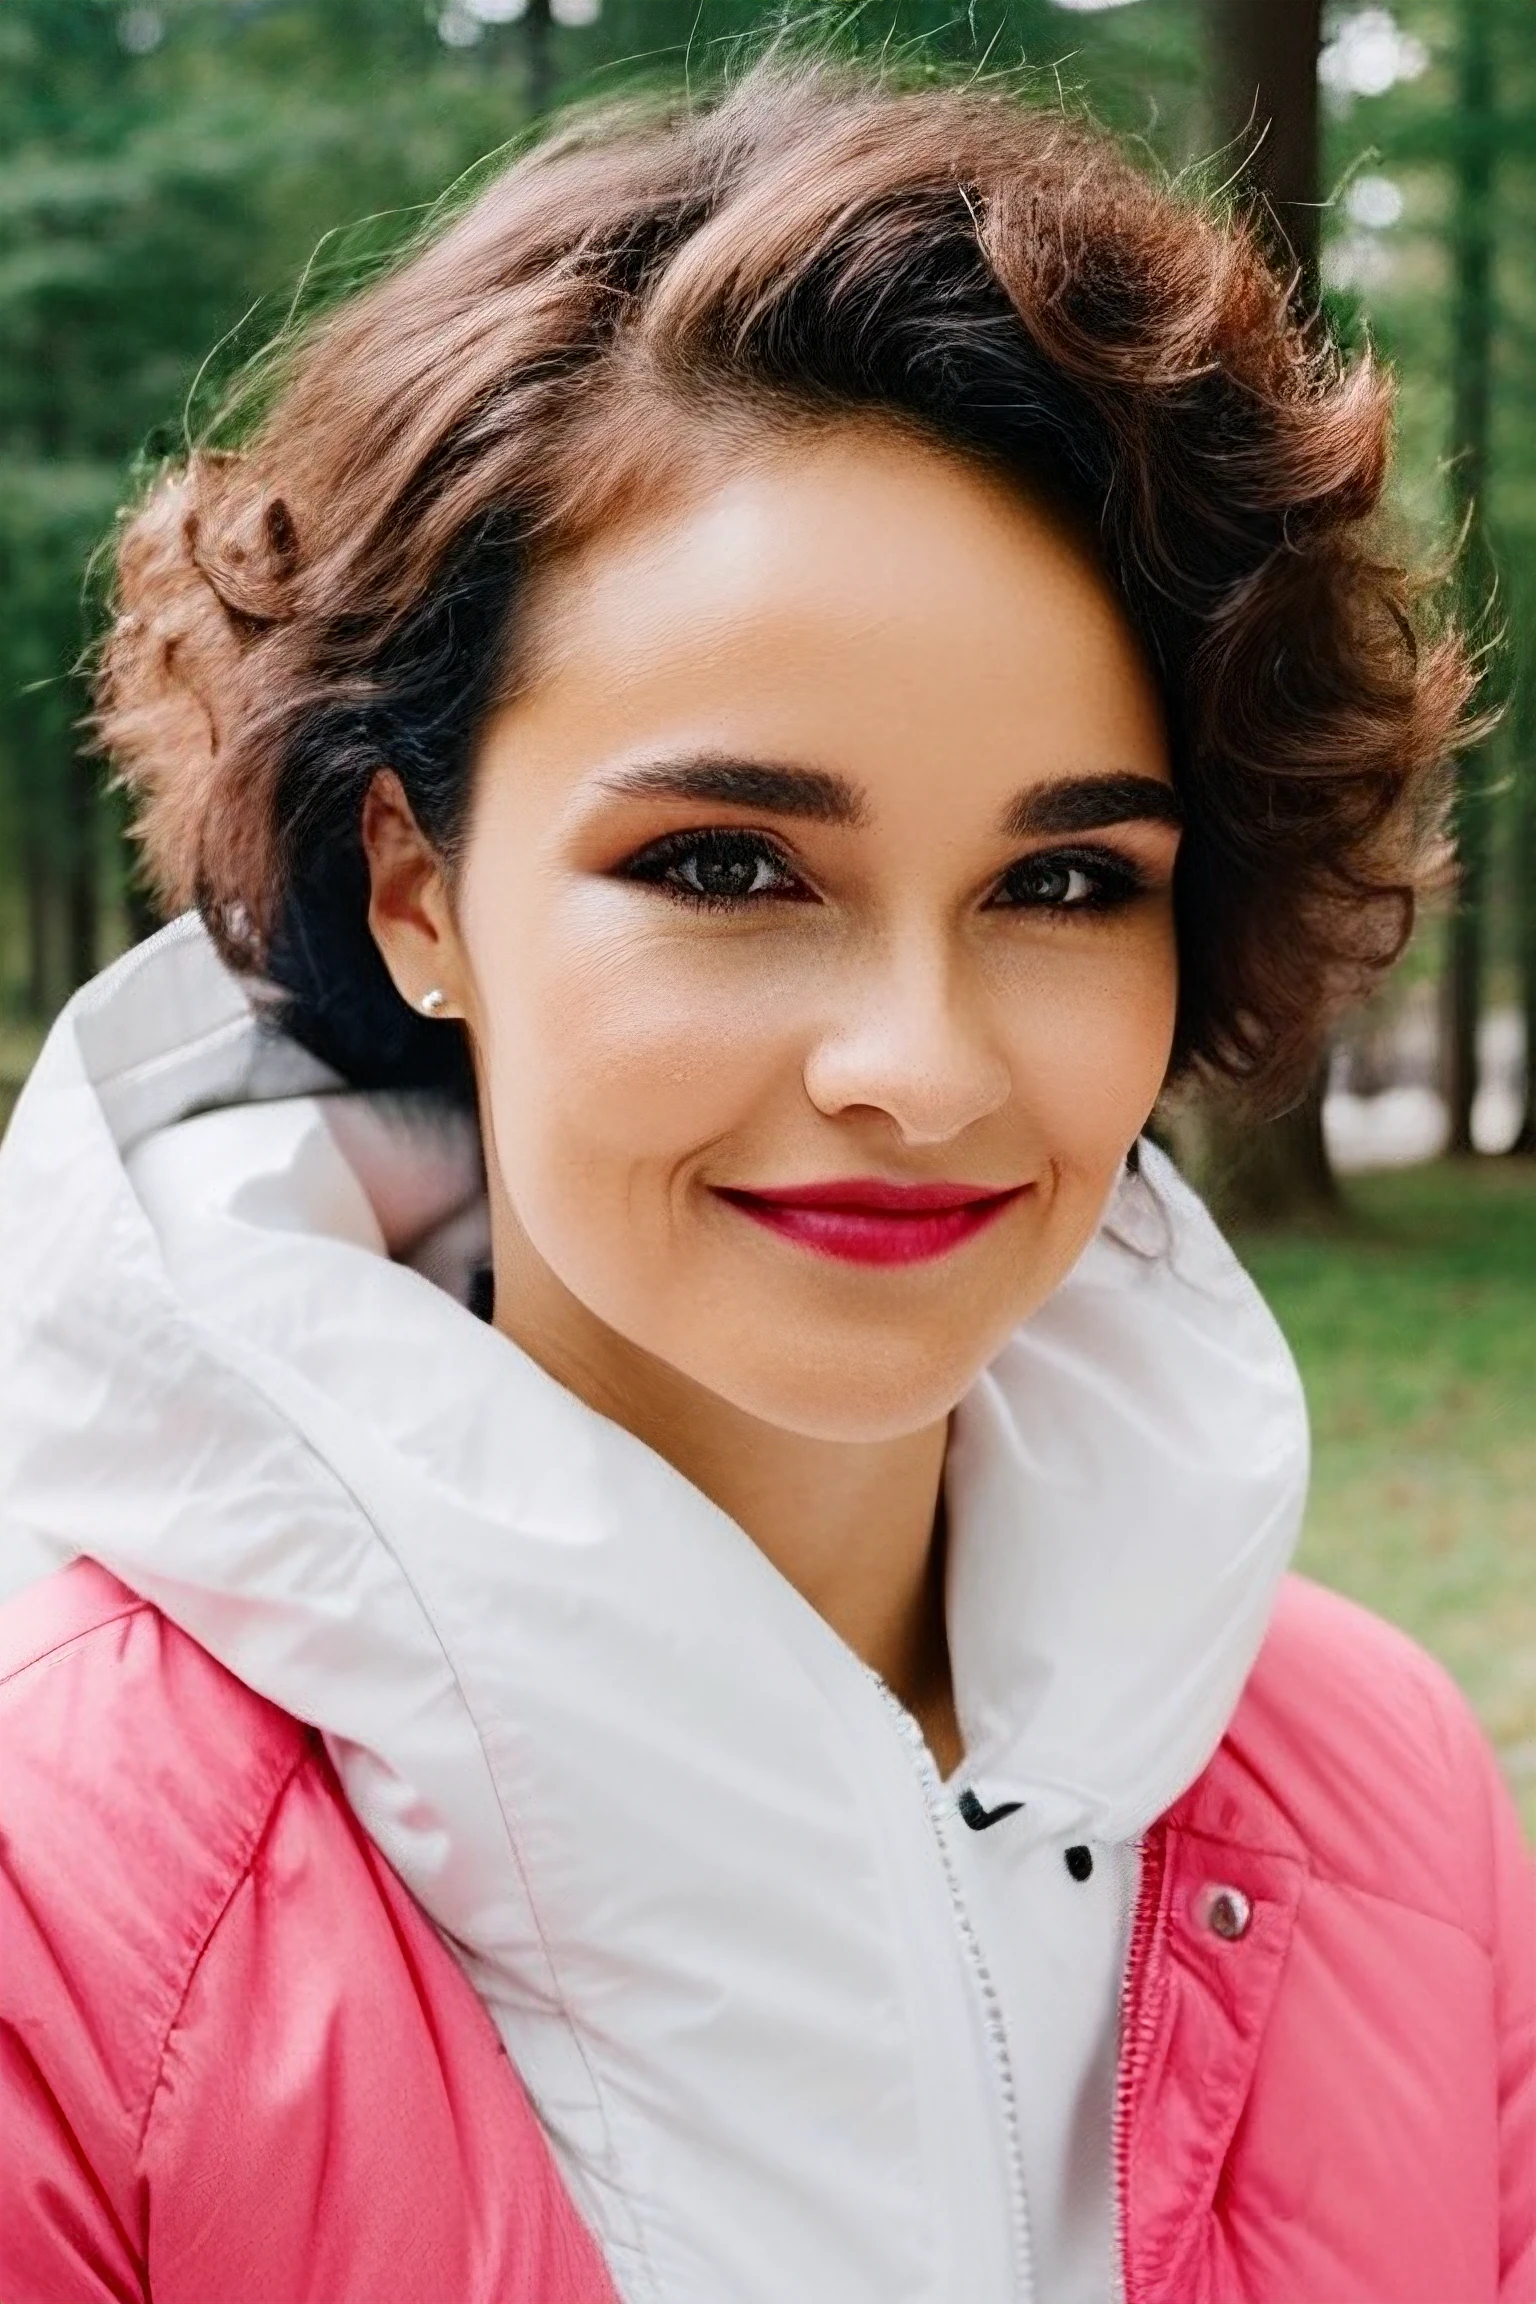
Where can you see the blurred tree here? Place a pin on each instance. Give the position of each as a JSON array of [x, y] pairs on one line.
[[1522, 748], [538, 26], [161, 170], [1264, 91], [169, 166], [1264, 97], [1472, 236], [1514, 401], [1435, 136], [49, 821]]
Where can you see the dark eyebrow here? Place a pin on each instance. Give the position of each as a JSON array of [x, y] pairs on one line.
[[1087, 803], [812, 793]]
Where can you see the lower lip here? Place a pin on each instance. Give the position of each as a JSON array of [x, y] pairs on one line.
[[874, 1236]]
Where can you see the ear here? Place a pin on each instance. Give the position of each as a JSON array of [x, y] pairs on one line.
[[408, 909]]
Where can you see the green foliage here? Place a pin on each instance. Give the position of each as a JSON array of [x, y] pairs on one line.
[[1405, 287], [150, 204], [170, 170], [174, 172], [52, 514]]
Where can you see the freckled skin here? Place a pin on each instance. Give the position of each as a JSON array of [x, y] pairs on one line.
[[854, 602]]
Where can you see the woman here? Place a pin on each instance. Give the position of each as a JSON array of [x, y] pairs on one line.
[[736, 721]]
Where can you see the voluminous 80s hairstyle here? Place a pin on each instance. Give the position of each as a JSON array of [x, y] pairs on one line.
[[342, 595]]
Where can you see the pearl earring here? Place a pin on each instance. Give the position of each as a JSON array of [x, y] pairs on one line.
[[434, 1002]]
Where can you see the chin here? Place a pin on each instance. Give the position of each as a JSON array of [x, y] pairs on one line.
[[860, 1394]]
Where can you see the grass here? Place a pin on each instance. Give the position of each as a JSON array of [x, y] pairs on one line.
[[1415, 1330]]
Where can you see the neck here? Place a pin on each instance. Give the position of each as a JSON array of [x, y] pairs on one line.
[[854, 1526]]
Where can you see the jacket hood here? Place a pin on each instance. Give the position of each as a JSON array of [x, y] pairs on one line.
[[235, 1368]]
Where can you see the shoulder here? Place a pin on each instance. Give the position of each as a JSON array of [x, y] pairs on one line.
[[1349, 1679], [111, 1713], [140, 1779], [1354, 1745], [213, 1990]]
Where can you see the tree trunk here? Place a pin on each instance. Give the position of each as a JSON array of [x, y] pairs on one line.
[[37, 892], [1523, 749], [1472, 322], [1274, 1172], [140, 909], [83, 886], [143, 917], [537, 24], [1461, 1003], [1263, 58]]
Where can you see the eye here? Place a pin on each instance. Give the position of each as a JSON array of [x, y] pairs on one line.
[[1089, 880], [718, 868]]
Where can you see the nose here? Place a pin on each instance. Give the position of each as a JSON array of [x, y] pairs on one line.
[[911, 1040]]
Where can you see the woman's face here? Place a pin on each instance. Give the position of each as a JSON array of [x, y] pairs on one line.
[[815, 933]]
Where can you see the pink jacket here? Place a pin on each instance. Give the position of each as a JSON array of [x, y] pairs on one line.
[[239, 2064]]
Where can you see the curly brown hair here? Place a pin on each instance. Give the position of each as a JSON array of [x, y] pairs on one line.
[[343, 594]]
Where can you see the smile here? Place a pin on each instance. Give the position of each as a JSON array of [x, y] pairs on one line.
[[864, 1220]]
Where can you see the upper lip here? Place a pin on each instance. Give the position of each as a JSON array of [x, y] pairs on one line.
[[872, 1195]]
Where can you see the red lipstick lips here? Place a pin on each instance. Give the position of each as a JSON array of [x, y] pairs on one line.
[[865, 1220]]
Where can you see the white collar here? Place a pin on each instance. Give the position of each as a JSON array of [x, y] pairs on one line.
[[1125, 1482]]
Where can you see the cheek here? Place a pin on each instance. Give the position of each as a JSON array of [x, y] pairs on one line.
[[1092, 1030], [616, 1048]]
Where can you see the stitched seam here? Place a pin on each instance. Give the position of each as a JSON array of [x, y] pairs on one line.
[[148, 1068], [1312, 1876], [18, 1673], [1299, 1856], [139, 960], [1400, 1904], [244, 1866]]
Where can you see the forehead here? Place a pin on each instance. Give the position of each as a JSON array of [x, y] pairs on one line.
[[850, 596]]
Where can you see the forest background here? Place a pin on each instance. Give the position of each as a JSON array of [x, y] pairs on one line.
[[179, 179]]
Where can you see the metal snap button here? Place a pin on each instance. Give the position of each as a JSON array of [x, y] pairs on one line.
[[1225, 1911]]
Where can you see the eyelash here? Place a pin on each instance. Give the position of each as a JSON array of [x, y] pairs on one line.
[[654, 863], [1115, 879]]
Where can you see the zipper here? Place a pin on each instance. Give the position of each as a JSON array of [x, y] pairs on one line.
[[938, 1805], [1151, 1863]]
